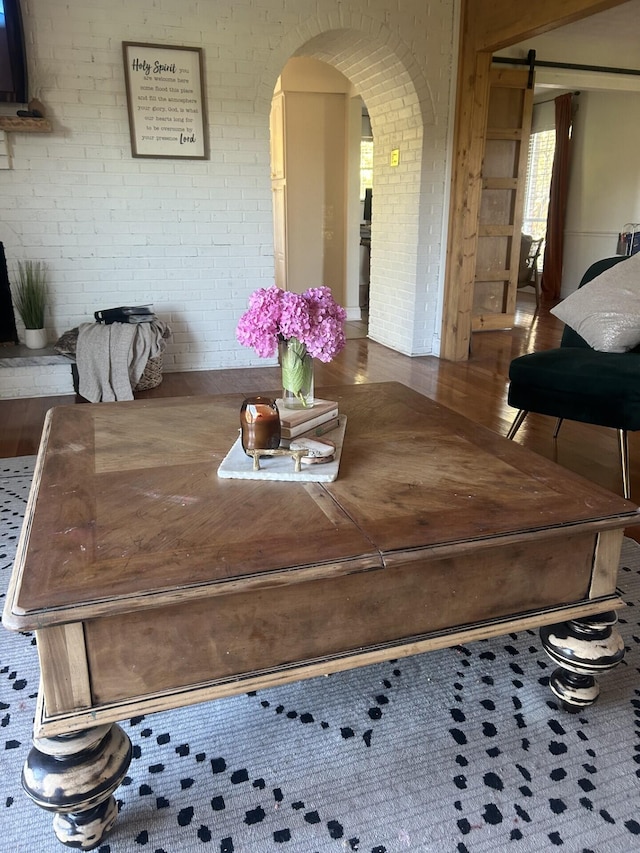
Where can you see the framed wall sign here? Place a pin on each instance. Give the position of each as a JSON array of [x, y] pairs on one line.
[[165, 99]]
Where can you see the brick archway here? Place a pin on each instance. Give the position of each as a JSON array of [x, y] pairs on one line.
[[408, 232]]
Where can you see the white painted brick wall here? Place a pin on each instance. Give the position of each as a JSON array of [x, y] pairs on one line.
[[52, 379], [5, 153], [195, 237]]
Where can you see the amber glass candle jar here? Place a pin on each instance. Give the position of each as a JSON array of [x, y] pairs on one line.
[[260, 424]]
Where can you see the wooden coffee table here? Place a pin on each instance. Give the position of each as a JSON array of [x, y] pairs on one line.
[[436, 532]]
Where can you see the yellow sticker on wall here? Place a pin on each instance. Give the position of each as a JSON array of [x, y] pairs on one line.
[[394, 160]]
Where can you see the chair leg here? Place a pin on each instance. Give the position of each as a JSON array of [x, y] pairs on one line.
[[536, 285], [556, 429], [623, 441], [515, 426]]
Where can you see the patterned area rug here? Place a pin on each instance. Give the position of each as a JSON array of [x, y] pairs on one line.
[[461, 750]]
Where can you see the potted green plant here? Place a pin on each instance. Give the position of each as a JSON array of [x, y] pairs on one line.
[[30, 300]]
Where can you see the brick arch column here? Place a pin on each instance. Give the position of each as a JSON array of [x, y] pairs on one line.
[[407, 235]]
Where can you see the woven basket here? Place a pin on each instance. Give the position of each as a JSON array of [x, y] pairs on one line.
[[151, 375]]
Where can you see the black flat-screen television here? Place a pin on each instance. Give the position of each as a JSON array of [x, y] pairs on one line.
[[13, 60]]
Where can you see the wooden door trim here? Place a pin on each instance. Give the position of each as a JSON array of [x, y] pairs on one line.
[[485, 26]]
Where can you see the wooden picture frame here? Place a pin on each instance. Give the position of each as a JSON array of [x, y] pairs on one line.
[[165, 100]]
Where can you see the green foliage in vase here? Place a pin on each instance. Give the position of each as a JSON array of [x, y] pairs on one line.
[[297, 369], [30, 297]]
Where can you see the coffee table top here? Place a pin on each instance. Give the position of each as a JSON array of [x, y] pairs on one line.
[[127, 510]]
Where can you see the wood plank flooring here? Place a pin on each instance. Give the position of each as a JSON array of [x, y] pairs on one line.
[[476, 388]]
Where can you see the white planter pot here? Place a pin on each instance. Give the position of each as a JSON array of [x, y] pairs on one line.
[[35, 338]]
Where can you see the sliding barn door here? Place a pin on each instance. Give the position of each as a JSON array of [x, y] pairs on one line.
[[502, 198]]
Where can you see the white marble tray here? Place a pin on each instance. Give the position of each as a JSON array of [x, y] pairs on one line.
[[236, 465]]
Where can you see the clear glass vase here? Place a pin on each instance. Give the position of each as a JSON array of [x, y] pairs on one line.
[[297, 374]]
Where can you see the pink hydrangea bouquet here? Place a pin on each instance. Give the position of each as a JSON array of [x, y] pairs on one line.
[[305, 325]]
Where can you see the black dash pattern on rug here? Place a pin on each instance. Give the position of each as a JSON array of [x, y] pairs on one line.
[[463, 750]]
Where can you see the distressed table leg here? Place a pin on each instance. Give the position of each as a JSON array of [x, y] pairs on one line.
[[75, 777], [583, 648]]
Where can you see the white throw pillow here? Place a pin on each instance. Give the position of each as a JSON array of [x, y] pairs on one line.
[[606, 311]]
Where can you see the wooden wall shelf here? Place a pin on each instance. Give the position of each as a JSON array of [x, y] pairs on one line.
[[15, 124]]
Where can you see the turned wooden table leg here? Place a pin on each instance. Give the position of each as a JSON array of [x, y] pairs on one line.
[[75, 777], [583, 648]]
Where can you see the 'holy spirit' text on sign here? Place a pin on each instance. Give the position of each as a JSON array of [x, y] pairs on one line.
[[164, 91]]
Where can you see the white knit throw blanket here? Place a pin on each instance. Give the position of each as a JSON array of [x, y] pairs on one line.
[[111, 358]]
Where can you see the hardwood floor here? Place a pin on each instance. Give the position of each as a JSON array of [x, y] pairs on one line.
[[476, 388]]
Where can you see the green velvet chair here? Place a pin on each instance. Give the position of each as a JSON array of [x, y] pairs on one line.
[[578, 383]]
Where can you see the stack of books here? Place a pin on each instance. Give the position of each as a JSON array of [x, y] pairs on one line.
[[321, 418], [126, 314]]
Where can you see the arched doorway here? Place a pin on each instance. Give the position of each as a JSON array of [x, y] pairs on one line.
[[407, 234], [314, 158]]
